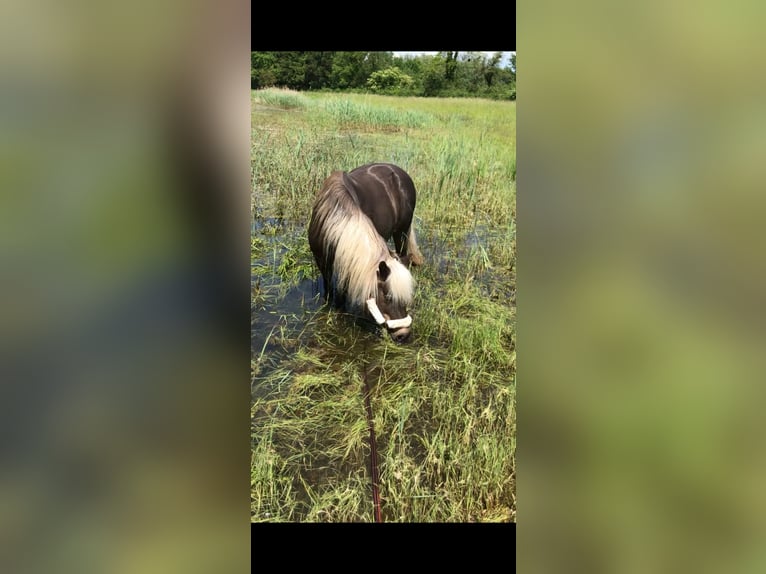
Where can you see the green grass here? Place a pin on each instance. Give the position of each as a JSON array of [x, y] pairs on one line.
[[282, 98], [444, 405], [349, 114]]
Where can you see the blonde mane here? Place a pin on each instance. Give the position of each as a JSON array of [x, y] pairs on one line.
[[357, 246]]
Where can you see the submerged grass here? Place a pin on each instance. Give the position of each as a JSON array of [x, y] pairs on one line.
[[444, 405]]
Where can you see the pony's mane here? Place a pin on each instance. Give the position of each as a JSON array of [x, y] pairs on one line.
[[358, 247]]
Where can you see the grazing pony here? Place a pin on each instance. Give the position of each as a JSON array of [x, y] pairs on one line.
[[354, 216]]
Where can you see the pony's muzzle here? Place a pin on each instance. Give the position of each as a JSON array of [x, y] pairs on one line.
[[399, 329], [401, 335]]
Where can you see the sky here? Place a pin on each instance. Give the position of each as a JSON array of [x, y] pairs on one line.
[[504, 62]]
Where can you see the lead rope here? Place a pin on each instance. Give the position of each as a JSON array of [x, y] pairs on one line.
[[373, 451]]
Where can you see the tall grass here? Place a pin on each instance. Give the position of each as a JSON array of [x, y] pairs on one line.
[[281, 98], [444, 405], [349, 114]]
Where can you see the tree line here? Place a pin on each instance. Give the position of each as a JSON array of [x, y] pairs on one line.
[[446, 74]]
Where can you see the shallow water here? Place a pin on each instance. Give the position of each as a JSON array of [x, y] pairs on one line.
[[285, 316]]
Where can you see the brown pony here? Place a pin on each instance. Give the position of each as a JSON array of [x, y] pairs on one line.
[[354, 216]]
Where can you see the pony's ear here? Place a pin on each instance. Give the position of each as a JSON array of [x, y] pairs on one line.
[[383, 271]]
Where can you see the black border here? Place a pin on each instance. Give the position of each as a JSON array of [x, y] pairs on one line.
[[427, 542], [449, 26]]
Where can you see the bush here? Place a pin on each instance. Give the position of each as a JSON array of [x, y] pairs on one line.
[[389, 80]]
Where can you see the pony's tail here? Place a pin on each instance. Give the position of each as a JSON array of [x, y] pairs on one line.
[[416, 257]]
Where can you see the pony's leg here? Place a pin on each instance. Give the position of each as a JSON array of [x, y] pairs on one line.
[[339, 299], [400, 252], [399, 239], [326, 289], [416, 257], [333, 295]]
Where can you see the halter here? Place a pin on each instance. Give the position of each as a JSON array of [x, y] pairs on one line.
[[391, 323]]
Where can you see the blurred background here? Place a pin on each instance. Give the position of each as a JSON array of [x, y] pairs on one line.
[[642, 282], [124, 315]]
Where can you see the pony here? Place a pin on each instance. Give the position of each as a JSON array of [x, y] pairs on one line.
[[354, 215]]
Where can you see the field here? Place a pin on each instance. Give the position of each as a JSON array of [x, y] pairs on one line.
[[443, 405]]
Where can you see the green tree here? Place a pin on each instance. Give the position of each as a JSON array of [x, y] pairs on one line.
[[447, 74], [469, 75], [347, 70], [263, 71], [433, 75], [411, 65], [350, 70], [491, 67], [291, 69], [450, 64], [389, 80], [318, 69]]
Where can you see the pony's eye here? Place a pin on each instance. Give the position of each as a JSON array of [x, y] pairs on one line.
[[389, 297]]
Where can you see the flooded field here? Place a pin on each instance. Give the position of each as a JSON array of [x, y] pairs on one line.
[[443, 405]]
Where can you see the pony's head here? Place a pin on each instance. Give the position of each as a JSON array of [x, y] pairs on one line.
[[392, 298]]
